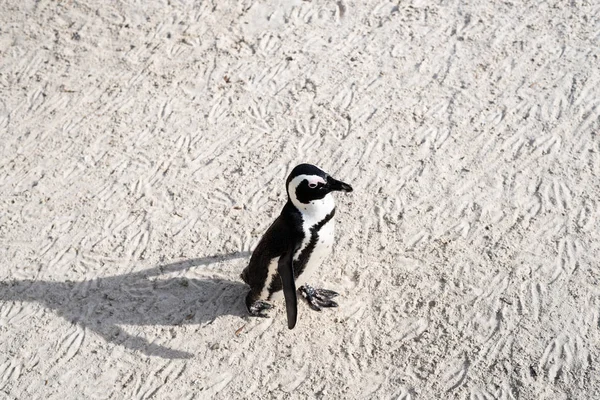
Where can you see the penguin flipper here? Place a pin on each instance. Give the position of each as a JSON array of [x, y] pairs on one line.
[[285, 268]]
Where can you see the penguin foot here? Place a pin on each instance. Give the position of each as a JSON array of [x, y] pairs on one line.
[[318, 298], [258, 308]]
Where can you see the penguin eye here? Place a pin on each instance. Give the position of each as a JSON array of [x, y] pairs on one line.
[[312, 185]]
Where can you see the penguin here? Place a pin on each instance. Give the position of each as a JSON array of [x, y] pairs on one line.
[[295, 245]]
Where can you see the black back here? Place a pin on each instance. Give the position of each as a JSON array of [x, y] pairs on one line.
[[284, 235]]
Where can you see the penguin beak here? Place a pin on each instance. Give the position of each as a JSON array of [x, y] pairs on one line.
[[335, 185]]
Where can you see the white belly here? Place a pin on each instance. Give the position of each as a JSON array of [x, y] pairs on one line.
[[322, 249], [311, 215]]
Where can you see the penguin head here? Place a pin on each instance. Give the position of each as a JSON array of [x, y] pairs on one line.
[[307, 184]]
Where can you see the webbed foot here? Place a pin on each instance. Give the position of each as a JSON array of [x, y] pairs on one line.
[[318, 298], [259, 308]]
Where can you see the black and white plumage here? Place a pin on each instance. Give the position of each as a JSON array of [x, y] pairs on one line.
[[295, 244]]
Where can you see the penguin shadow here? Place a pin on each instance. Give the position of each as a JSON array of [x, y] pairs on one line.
[[104, 304]]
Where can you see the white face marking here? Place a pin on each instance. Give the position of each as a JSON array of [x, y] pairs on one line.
[[316, 209], [313, 181]]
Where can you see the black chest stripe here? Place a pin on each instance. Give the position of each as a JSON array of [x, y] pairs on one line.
[[300, 264]]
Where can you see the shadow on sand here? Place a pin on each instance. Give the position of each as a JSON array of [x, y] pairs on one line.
[[134, 299]]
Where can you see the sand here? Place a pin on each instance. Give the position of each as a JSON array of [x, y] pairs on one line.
[[144, 150]]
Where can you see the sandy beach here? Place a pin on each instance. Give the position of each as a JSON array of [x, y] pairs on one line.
[[144, 147]]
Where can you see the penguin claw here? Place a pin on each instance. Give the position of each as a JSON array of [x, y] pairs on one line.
[[325, 293], [259, 307], [318, 298], [328, 303]]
